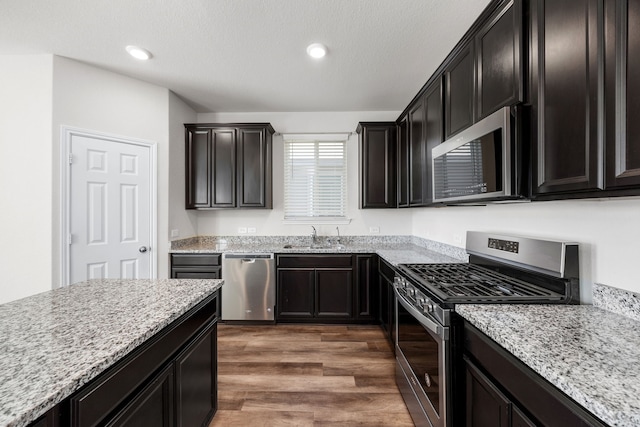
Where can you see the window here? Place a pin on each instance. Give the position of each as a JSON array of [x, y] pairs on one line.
[[315, 177]]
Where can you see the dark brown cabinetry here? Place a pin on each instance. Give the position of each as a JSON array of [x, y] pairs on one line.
[[503, 391], [228, 166], [331, 288], [417, 155], [459, 77], [622, 62], [498, 48], [386, 310], [171, 378], [403, 163], [566, 89], [378, 164], [195, 266]]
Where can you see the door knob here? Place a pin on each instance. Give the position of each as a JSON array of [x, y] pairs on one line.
[[143, 249]]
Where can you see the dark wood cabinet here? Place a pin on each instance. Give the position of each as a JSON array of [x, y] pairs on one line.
[[228, 165], [459, 77], [567, 76], [171, 377], [366, 287], [433, 133], [386, 310], [503, 391], [622, 62], [326, 288], [377, 164], [417, 155], [403, 163], [195, 266], [499, 60]]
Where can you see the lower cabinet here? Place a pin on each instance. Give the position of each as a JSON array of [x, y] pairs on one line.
[[170, 380], [500, 390], [386, 310], [331, 288]]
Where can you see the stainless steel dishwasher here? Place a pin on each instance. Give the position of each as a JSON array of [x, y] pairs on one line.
[[249, 290]]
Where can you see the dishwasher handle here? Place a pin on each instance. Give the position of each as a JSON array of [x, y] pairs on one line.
[[247, 256]]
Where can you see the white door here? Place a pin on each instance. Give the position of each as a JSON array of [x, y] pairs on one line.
[[110, 209]]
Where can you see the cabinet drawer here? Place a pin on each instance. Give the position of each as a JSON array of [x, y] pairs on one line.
[[195, 259], [314, 261]]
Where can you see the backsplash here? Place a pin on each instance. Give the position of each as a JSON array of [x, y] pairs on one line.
[[616, 300]]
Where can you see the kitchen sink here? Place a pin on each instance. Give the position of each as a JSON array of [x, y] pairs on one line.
[[311, 247]]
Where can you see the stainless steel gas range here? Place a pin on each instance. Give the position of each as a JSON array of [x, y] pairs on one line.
[[501, 269]]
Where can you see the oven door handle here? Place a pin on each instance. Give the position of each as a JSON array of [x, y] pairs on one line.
[[440, 331]]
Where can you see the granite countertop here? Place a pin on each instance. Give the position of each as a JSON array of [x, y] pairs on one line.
[[588, 353], [53, 343], [390, 250]]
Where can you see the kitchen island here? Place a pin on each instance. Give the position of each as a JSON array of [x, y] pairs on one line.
[[59, 347]]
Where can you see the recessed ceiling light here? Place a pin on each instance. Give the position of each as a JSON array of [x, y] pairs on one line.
[[138, 52], [316, 50]]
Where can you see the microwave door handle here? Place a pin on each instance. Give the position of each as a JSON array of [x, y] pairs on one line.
[[420, 317]]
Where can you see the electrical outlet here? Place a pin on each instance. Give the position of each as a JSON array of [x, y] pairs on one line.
[[457, 239], [242, 230], [175, 233], [251, 230], [374, 230]]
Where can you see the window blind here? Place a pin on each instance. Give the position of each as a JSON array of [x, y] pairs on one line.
[[315, 183]]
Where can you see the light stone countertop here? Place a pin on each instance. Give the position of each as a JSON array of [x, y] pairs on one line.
[[53, 343], [590, 354]]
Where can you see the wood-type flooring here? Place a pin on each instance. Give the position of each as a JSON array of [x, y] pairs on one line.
[[297, 375]]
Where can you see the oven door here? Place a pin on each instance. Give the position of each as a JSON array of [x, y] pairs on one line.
[[423, 354]]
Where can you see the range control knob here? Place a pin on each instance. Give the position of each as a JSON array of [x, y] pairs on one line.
[[411, 292], [428, 306]]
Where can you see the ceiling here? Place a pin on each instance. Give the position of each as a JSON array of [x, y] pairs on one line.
[[250, 55]]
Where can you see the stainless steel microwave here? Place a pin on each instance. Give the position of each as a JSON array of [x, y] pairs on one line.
[[480, 164]]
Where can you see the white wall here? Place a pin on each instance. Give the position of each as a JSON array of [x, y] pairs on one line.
[[608, 231], [25, 175], [270, 222], [180, 219], [94, 99]]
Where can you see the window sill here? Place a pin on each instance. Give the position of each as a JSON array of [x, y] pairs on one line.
[[319, 220]]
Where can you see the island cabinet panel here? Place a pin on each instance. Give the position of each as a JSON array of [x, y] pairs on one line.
[[502, 391], [622, 49], [378, 164], [567, 82], [459, 91], [132, 390], [228, 165], [498, 46]]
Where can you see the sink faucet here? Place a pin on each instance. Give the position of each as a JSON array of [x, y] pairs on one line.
[[338, 239], [314, 236]]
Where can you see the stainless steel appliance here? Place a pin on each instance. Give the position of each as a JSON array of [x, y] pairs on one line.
[[482, 163], [501, 269], [249, 291]]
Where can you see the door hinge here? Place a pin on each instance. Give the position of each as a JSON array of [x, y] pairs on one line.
[[70, 159]]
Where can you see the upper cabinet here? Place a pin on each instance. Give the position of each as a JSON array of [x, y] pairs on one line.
[[459, 78], [498, 48], [403, 163], [378, 164], [228, 166], [417, 172], [566, 91], [622, 66]]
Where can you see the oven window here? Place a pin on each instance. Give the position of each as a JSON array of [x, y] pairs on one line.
[[423, 353]]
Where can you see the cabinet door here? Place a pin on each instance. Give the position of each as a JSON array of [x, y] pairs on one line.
[[499, 60], [417, 154], [567, 80], [198, 168], [433, 132], [403, 163], [485, 404], [519, 419], [622, 26], [366, 285], [223, 174], [459, 78], [295, 291], [196, 381], [334, 293], [153, 406], [377, 165], [253, 167]]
